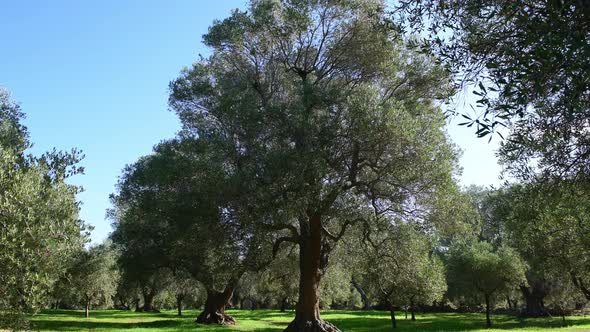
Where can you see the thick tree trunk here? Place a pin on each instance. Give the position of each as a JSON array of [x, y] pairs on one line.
[[533, 297], [214, 311], [148, 302], [179, 303], [312, 262], [364, 298], [488, 320], [392, 315]]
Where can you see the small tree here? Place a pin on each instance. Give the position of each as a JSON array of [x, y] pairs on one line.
[[403, 268], [479, 270], [94, 277]]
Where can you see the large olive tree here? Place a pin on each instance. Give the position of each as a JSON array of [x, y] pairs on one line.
[[326, 114]]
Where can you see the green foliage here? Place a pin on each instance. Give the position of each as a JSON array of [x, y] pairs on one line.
[[325, 116], [403, 268], [278, 282], [94, 276], [39, 225], [478, 270], [178, 209], [549, 222], [529, 61]]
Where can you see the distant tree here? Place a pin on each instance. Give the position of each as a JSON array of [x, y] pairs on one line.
[[564, 296], [94, 276], [128, 294], [403, 268], [39, 224], [184, 288], [275, 285], [549, 222], [478, 270], [326, 113]]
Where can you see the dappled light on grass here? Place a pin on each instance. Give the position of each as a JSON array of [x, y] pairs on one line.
[[271, 320]]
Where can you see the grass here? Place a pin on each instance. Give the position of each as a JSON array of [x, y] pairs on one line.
[[269, 320]]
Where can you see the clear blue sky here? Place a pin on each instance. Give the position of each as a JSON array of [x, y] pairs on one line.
[[94, 75]]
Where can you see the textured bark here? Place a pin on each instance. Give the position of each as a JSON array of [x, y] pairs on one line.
[[214, 311], [533, 297], [364, 298], [312, 262], [148, 302]]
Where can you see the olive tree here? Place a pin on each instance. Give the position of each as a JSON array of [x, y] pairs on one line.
[[528, 61], [39, 224], [478, 270], [403, 268], [180, 209], [326, 114], [93, 277]]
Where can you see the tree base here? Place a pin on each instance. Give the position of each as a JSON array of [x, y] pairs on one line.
[[311, 326], [215, 318]]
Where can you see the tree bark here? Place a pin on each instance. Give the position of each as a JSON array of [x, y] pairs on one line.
[[364, 298], [148, 302], [214, 311], [533, 297], [87, 309], [312, 262], [392, 315], [412, 309], [488, 320]]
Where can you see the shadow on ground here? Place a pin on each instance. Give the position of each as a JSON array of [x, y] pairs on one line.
[[268, 320]]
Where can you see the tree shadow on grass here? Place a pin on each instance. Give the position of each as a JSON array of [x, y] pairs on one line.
[[372, 321], [76, 325]]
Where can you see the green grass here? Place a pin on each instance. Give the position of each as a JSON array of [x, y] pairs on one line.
[[269, 320]]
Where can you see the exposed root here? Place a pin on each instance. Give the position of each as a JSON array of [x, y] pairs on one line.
[[215, 318], [311, 326]]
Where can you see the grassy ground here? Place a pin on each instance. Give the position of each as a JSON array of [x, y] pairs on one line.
[[267, 320]]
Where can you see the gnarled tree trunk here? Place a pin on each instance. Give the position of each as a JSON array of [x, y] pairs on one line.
[[214, 312], [364, 298], [148, 302], [312, 262], [533, 297]]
